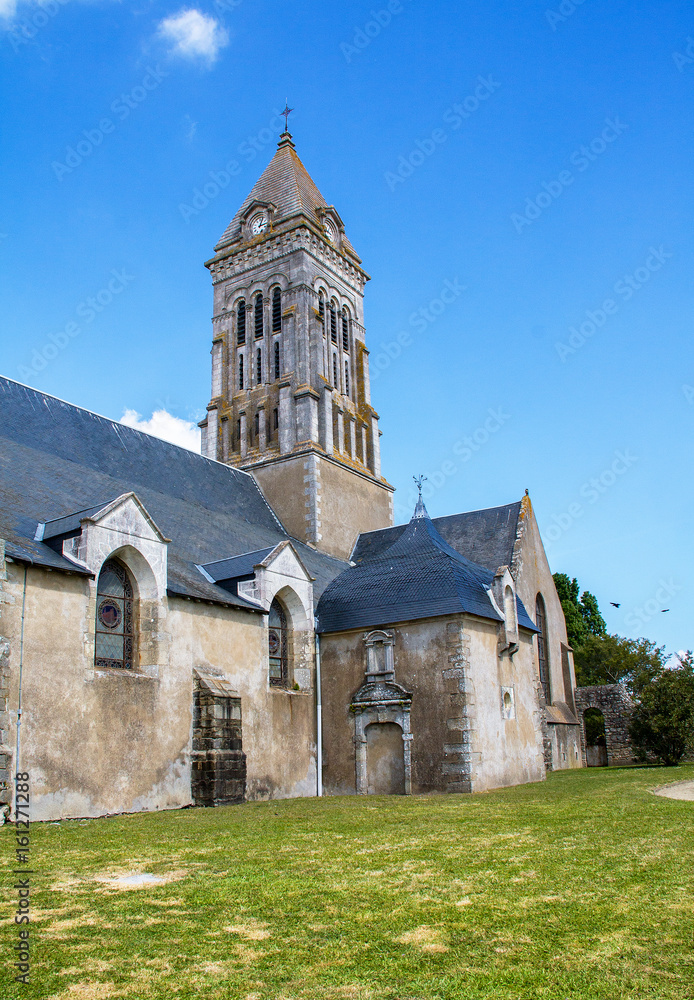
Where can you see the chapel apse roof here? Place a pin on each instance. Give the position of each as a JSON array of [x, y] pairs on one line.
[[60, 461], [486, 537], [419, 575]]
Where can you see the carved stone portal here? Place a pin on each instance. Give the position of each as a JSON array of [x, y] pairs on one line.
[[381, 709]]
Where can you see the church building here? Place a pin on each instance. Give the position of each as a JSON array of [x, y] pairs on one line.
[[248, 623]]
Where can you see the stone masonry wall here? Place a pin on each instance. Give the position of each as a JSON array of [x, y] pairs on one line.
[[459, 759], [616, 705]]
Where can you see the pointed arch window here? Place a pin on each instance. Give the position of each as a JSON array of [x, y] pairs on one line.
[[333, 323], [258, 317], [259, 366], [345, 330], [114, 617], [240, 371], [543, 648], [321, 310], [277, 359], [241, 323], [278, 645], [276, 311]]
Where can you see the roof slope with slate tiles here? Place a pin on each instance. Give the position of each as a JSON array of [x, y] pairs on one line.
[[57, 460], [418, 576]]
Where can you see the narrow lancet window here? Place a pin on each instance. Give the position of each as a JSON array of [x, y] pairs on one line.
[[333, 323], [277, 360], [277, 644], [335, 370], [276, 311], [240, 371], [241, 323], [346, 378], [259, 367], [258, 309], [542, 648], [345, 331]]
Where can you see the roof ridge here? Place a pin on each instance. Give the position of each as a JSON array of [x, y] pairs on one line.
[[119, 424]]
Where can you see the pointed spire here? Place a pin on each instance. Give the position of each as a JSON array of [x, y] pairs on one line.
[[420, 510]]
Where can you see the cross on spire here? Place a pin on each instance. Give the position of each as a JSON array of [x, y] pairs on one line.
[[287, 111]]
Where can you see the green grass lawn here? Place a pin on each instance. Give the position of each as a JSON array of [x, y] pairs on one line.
[[582, 886]]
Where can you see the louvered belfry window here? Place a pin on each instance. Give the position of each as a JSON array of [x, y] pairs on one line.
[[114, 617], [277, 360], [259, 367], [240, 371], [321, 310], [346, 378], [333, 324], [345, 331], [335, 370], [241, 323], [277, 644], [259, 315], [276, 311]]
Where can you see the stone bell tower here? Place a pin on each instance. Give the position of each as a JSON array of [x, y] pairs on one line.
[[291, 400]]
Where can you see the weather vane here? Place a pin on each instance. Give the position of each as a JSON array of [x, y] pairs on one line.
[[287, 111], [418, 481]]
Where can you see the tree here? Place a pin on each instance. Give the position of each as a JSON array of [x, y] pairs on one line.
[[662, 725], [582, 616], [612, 659]]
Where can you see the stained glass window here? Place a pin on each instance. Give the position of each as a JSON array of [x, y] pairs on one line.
[[114, 617], [277, 644]]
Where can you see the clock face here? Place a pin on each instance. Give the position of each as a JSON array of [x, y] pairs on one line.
[[258, 225], [330, 231]]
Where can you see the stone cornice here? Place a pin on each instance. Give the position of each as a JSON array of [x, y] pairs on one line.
[[249, 257]]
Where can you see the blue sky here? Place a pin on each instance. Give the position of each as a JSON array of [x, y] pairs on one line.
[[534, 159]]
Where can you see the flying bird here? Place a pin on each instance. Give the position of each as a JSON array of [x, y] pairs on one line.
[[663, 610], [613, 604]]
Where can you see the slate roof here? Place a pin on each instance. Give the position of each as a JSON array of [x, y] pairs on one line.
[[57, 460], [287, 184], [485, 537], [237, 567], [418, 576]]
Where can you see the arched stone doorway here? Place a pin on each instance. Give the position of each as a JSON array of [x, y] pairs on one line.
[[596, 743], [385, 759]]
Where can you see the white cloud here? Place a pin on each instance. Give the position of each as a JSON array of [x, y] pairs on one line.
[[165, 426], [192, 35], [8, 9]]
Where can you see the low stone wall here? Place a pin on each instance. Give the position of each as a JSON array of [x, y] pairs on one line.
[[616, 705]]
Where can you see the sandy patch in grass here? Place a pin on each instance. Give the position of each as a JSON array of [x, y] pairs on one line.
[[253, 930], [58, 927], [425, 938], [86, 991], [138, 880]]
